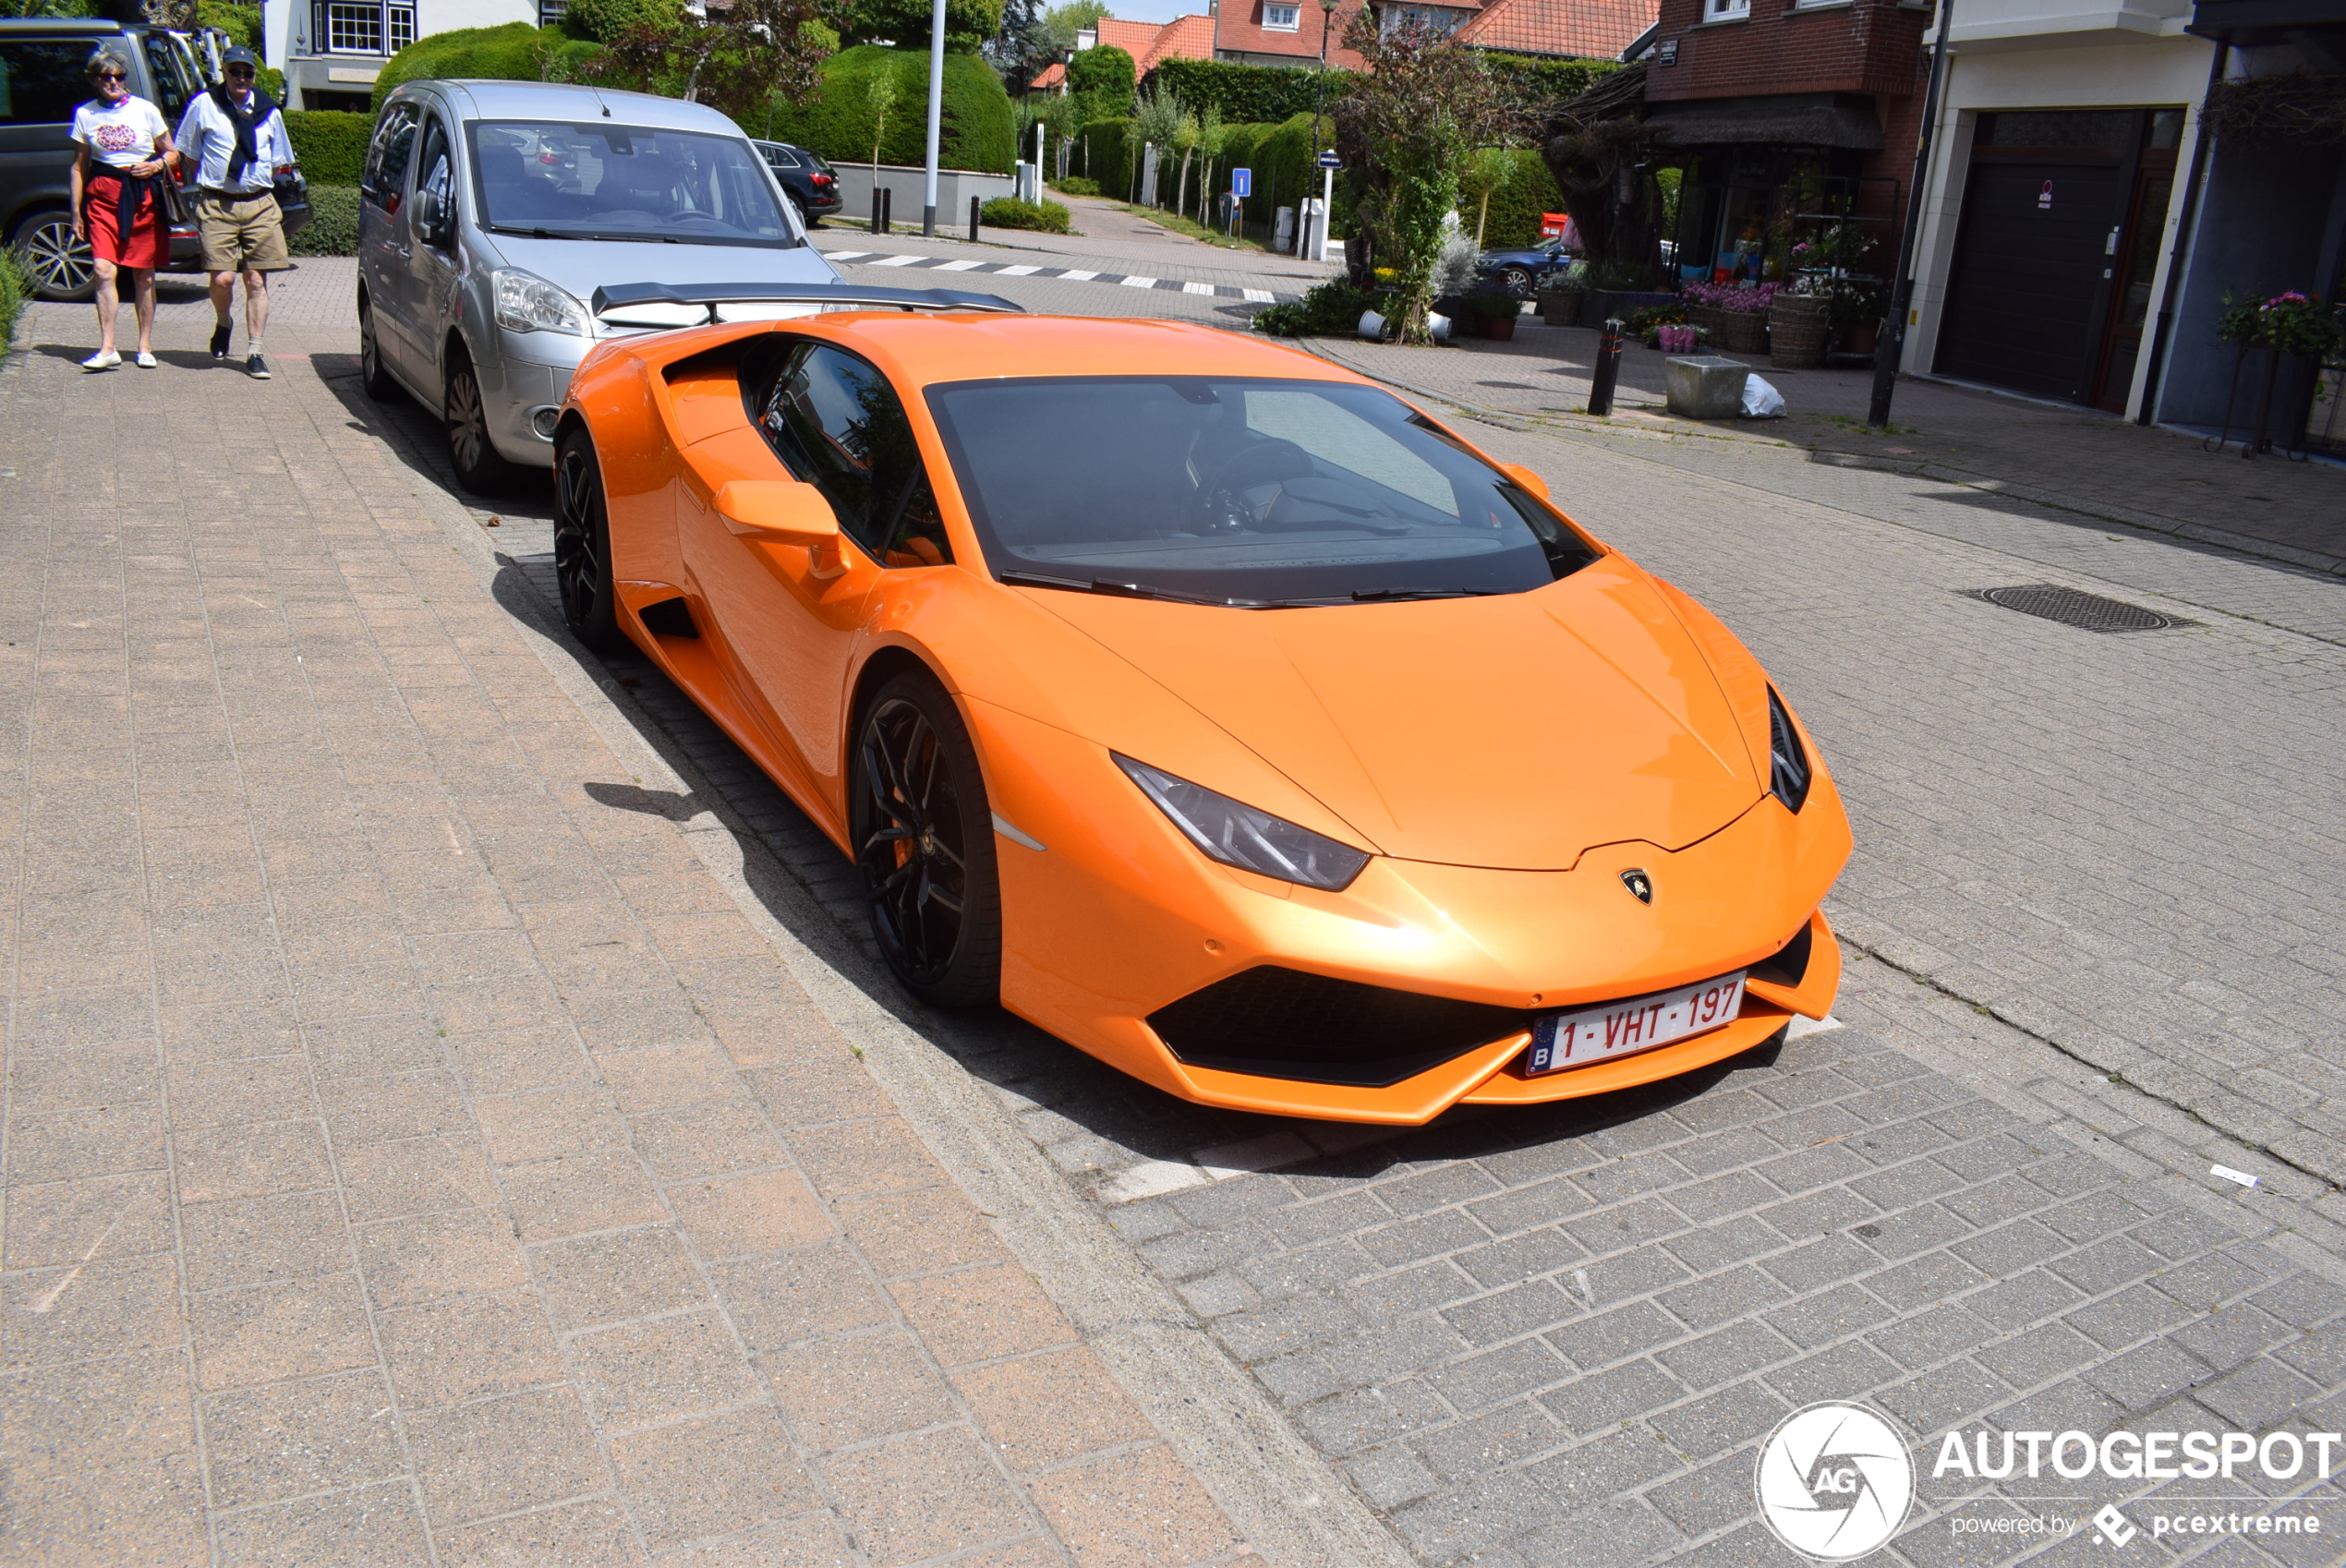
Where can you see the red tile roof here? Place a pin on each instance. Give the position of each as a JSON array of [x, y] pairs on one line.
[[1183, 38], [1053, 75], [1594, 30]]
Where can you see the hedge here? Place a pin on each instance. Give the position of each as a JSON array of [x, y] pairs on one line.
[[332, 229], [13, 295], [1102, 157], [1516, 202], [515, 51], [1253, 93], [1010, 212], [1105, 75], [980, 128], [329, 144], [1529, 78]]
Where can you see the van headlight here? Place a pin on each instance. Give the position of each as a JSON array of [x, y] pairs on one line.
[[527, 303]]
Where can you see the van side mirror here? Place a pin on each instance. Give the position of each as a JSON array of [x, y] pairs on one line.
[[434, 221]]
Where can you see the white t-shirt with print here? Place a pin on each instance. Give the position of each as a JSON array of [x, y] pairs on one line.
[[120, 134]]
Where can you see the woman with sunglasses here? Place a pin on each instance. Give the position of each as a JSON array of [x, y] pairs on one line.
[[122, 152]]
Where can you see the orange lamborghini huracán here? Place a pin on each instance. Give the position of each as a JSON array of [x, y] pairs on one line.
[[1207, 705]]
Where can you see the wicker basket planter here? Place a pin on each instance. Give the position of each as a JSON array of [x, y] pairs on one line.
[[1560, 307], [1797, 328], [1732, 331]]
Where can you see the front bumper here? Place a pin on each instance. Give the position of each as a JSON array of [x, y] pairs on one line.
[[1118, 917], [523, 386]]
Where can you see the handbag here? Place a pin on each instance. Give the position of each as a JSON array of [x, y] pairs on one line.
[[172, 198], [291, 190]]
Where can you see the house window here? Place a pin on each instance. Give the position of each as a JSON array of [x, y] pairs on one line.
[[354, 29], [1725, 10], [550, 12], [1279, 18], [1432, 19], [402, 26]]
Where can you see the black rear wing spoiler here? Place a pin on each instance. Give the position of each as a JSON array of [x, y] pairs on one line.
[[699, 304]]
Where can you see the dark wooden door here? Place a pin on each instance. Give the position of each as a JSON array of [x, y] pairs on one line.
[[2026, 295]]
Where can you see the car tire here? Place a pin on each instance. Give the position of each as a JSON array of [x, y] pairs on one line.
[[922, 836], [56, 265], [480, 468], [374, 378], [1517, 281], [582, 546]]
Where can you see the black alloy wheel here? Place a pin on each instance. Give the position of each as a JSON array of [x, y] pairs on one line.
[[56, 265], [375, 380], [582, 546], [924, 837], [480, 468]]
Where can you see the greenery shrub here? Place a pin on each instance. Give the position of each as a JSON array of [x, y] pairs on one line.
[[241, 23], [1333, 309], [601, 21], [329, 144], [12, 298], [1104, 75], [515, 51], [1251, 93], [1525, 192], [1010, 212], [1534, 83], [1076, 185], [1103, 153], [1286, 168], [332, 229], [905, 23], [980, 130]]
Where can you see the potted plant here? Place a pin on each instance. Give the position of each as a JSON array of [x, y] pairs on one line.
[[1798, 324], [1496, 312], [1560, 301], [1734, 314]]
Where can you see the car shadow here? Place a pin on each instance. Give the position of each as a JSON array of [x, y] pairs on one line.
[[1090, 1118]]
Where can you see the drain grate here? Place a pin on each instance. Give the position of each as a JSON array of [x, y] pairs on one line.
[[2089, 612]]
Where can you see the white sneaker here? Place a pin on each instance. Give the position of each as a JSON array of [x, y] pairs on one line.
[[103, 361], [145, 361]]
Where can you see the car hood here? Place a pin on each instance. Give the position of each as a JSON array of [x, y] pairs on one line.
[[581, 266], [1513, 731]]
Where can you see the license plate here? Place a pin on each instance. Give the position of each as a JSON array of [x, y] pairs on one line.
[[1561, 1041]]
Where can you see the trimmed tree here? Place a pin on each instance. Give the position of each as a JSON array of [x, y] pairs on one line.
[[1104, 76]]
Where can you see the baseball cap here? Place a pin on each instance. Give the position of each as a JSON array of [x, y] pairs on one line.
[[237, 55]]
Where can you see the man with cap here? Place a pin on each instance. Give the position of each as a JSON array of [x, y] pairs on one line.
[[236, 140]]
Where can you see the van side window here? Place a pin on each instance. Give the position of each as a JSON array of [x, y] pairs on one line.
[[437, 173], [837, 424], [385, 176], [40, 80], [172, 90]]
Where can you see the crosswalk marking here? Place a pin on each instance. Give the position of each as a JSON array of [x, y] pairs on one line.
[[1069, 275]]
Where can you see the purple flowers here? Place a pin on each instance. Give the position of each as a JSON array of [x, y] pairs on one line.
[[1748, 299]]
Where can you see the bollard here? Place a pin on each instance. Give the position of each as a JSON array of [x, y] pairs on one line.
[[976, 208], [1608, 370], [876, 207], [887, 209]]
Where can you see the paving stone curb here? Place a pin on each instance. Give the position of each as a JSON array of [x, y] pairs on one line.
[[1286, 1501]]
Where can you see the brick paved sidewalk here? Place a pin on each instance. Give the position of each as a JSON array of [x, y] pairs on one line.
[[2099, 466], [412, 1153]]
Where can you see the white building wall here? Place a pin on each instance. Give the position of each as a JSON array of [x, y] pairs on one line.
[[2067, 65]]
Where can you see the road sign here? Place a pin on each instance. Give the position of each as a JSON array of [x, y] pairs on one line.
[[1241, 182], [1328, 160]]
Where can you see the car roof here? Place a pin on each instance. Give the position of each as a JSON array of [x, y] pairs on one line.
[[924, 349], [67, 26], [476, 97]]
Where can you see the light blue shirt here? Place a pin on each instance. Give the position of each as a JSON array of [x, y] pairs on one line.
[[207, 140]]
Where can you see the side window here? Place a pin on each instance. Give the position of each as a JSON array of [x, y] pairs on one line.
[[837, 424], [385, 176], [40, 80], [163, 66], [435, 169]]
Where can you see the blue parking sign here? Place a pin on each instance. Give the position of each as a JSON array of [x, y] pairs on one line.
[[1241, 182]]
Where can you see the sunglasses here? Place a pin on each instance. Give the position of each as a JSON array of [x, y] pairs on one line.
[[240, 70], [111, 76]]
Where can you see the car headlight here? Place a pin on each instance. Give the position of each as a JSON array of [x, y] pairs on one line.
[[1788, 767], [527, 303], [1237, 834]]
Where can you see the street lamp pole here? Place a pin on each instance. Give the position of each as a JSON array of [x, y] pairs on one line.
[[935, 112], [1317, 237], [1891, 346]]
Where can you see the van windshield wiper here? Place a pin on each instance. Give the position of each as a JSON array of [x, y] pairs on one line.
[[1120, 590]]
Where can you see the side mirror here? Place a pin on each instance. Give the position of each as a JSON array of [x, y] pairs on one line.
[[429, 220], [1525, 478], [784, 510]]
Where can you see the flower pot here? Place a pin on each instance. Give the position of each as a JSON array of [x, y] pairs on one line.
[[1560, 307], [1798, 328], [1500, 328], [1732, 331]]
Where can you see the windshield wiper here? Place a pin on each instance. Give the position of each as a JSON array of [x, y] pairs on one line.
[[1364, 595], [534, 234], [1119, 590], [587, 235]]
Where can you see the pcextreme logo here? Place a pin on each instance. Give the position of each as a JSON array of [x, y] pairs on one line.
[[1835, 1481]]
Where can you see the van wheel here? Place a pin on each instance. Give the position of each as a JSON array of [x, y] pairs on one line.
[[376, 381], [479, 467], [58, 265]]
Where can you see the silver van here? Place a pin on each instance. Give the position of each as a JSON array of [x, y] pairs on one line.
[[498, 219]]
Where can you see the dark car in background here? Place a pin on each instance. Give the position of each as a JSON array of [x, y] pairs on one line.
[[806, 177], [1524, 272], [41, 82]]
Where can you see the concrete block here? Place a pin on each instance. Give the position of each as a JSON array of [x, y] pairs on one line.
[[1705, 386]]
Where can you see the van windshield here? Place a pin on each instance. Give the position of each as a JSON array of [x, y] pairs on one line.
[[1237, 492], [623, 182]]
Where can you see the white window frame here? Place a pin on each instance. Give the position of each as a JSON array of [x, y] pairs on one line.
[[1271, 17], [1726, 11], [354, 28]]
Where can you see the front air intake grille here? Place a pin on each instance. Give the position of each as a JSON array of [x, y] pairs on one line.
[[1277, 1022], [1788, 965], [2087, 613]]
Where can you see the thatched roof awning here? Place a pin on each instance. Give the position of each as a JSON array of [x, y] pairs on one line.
[[1802, 120]]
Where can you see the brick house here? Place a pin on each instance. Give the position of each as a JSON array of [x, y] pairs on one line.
[[1149, 44], [1287, 32], [1793, 118]]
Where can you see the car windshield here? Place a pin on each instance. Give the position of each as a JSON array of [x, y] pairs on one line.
[[1264, 493], [623, 182]]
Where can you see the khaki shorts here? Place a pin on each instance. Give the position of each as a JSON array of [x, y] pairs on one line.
[[241, 234]]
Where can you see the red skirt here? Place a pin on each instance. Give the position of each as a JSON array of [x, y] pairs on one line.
[[148, 244]]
